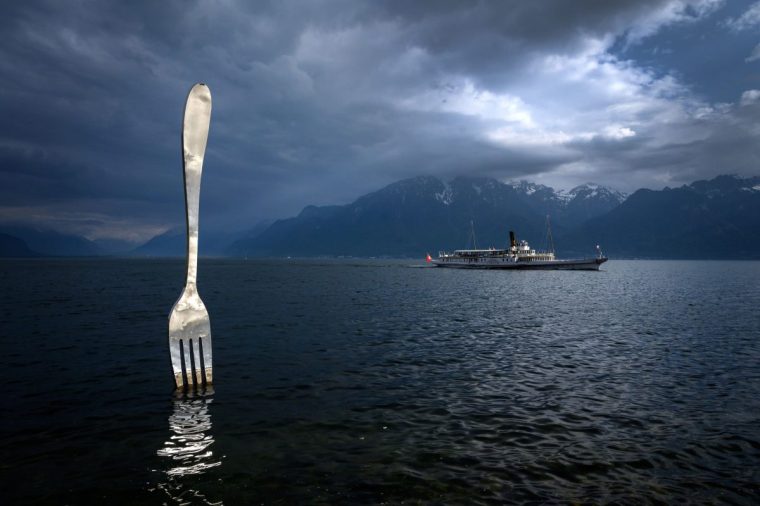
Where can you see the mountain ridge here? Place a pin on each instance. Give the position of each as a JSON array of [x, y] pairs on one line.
[[13, 247], [716, 218], [47, 242], [425, 213]]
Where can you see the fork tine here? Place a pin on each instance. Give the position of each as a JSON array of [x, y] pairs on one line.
[[196, 356], [188, 351], [176, 356], [204, 351]]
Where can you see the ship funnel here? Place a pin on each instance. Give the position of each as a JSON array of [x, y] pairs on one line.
[[512, 239]]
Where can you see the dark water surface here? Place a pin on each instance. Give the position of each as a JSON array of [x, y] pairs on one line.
[[342, 382]]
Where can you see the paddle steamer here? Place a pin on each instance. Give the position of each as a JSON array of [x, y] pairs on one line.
[[519, 255]]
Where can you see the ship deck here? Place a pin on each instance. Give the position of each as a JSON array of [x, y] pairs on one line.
[[586, 264]]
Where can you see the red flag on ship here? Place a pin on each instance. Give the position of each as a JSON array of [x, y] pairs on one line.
[[429, 258]]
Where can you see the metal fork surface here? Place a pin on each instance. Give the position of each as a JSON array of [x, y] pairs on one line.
[[189, 326]]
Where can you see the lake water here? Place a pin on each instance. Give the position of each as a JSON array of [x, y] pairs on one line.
[[345, 382]]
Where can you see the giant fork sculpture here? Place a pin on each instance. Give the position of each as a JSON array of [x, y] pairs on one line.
[[189, 327]]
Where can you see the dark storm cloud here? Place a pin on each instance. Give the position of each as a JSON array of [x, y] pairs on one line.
[[319, 102]]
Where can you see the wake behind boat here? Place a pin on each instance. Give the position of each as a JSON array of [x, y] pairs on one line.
[[519, 255]]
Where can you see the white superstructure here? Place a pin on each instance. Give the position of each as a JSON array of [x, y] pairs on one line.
[[518, 256]]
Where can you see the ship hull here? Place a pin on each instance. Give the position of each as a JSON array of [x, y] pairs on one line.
[[584, 264]]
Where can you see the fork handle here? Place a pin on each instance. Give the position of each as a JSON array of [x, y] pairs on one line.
[[195, 126]]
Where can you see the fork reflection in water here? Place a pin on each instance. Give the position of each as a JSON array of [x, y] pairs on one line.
[[189, 445]]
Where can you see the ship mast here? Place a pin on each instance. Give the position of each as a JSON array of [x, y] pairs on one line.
[[472, 235], [549, 238]]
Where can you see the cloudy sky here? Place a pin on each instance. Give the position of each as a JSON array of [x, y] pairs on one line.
[[318, 102]]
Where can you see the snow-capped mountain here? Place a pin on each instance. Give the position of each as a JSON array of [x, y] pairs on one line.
[[716, 218], [424, 213], [570, 207], [587, 201], [590, 191]]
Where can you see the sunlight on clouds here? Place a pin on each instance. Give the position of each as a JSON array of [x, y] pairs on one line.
[[564, 99], [577, 66], [554, 98], [468, 100], [669, 13], [749, 19], [750, 97], [511, 137], [618, 132]]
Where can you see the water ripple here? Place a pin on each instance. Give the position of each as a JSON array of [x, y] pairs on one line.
[[344, 382]]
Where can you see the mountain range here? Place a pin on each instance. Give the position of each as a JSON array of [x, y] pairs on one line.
[[719, 218], [36, 241], [173, 242], [412, 216]]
